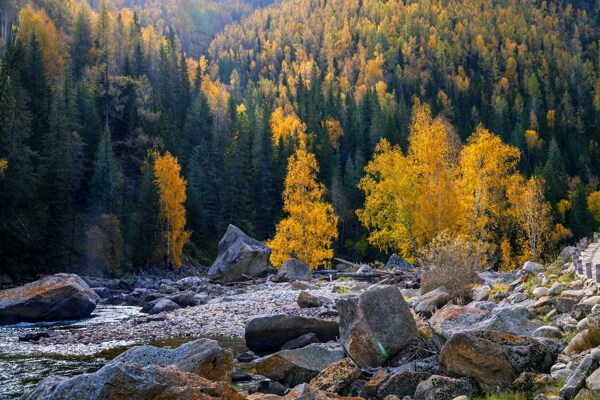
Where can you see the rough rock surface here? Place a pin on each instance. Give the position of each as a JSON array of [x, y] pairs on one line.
[[337, 377], [429, 302], [454, 319], [53, 298], [494, 359], [444, 388], [376, 325], [294, 270], [270, 332], [203, 357], [293, 367], [402, 384], [122, 381], [239, 255]]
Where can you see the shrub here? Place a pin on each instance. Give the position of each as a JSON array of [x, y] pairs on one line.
[[450, 264]]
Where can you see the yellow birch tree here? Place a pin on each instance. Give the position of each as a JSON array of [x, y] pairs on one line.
[[485, 166], [532, 213], [311, 225], [391, 197], [433, 150], [171, 187]]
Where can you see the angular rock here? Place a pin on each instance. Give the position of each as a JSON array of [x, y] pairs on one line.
[[122, 381], [294, 270], [337, 377], [402, 384], [481, 293], [293, 367], [431, 301], [302, 341], [532, 267], [268, 387], [376, 325], [454, 319], [564, 304], [593, 381], [53, 298], [306, 392], [203, 357], [494, 359], [247, 357], [270, 332], [395, 261], [307, 300], [576, 380], [239, 376], [444, 388], [540, 292], [163, 305], [239, 255]]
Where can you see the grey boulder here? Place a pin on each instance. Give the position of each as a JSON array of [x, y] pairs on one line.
[[376, 325], [270, 332], [133, 382], [53, 298], [239, 255], [293, 367], [203, 357], [294, 270]]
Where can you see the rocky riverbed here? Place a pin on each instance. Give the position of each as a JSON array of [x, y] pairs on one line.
[[223, 315], [534, 332]]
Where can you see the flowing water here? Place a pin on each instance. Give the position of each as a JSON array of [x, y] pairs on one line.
[[24, 364]]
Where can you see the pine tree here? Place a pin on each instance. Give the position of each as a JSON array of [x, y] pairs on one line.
[[554, 174], [82, 41], [104, 185]]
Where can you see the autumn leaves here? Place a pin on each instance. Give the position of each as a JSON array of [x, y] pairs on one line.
[[440, 188]]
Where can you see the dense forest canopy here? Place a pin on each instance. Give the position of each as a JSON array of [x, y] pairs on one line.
[[96, 97]]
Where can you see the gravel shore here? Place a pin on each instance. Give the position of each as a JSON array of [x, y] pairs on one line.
[[223, 316]]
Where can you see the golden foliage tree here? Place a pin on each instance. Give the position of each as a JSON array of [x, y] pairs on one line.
[[171, 187], [38, 22], [391, 197], [3, 167], [311, 225], [433, 150], [593, 201], [485, 165], [532, 213]]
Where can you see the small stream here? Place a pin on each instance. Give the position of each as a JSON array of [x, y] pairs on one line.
[[24, 364]]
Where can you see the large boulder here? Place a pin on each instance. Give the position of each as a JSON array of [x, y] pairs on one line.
[[293, 367], [270, 332], [401, 384], [163, 305], [53, 298], [429, 302], [445, 388], [294, 270], [337, 377], [494, 359], [376, 325], [239, 255], [132, 382], [454, 319], [203, 357], [576, 380]]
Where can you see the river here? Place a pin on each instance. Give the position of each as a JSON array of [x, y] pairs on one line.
[[24, 364]]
